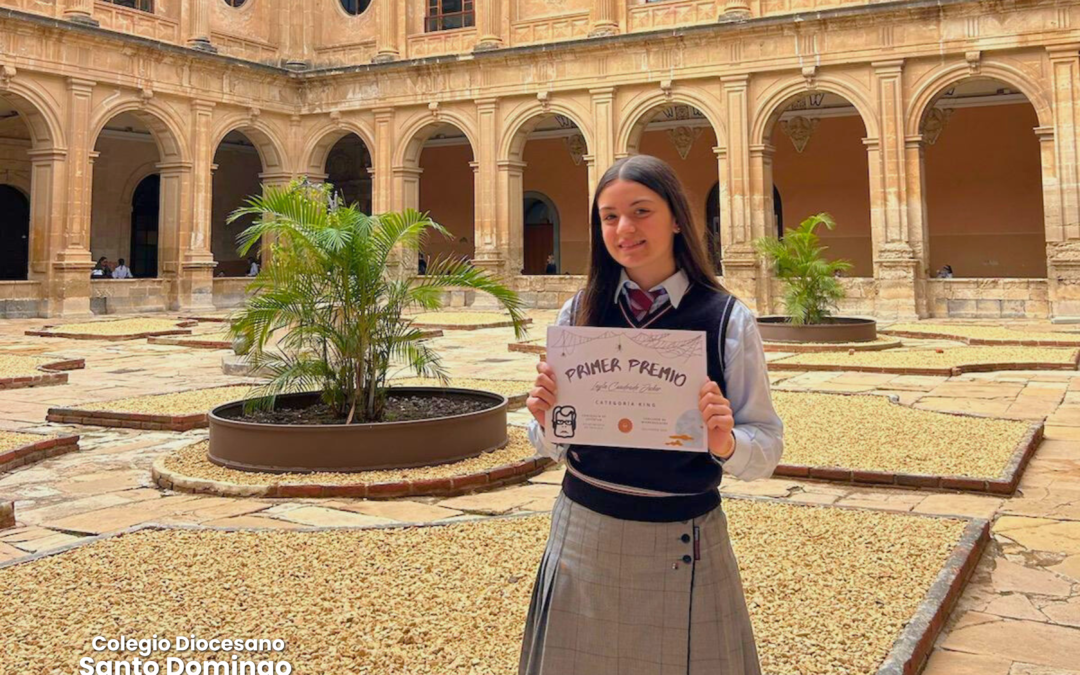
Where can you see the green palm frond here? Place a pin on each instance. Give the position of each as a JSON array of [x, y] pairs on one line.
[[326, 313], [811, 290]]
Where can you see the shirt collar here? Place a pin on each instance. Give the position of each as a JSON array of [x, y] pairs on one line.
[[676, 286]]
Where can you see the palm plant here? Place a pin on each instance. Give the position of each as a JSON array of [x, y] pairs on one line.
[[329, 293], [810, 286]]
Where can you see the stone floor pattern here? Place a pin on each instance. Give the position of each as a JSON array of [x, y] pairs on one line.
[[1020, 615]]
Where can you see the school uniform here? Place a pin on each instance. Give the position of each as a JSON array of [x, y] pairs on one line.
[[638, 576]]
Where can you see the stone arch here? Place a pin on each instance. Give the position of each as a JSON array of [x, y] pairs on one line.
[[937, 80], [418, 130], [522, 121], [769, 111], [261, 134], [165, 127], [39, 111], [636, 118], [321, 141]]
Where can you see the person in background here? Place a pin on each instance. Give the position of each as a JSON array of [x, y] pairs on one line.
[[945, 272], [101, 269], [551, 267], [422, 263], [122, 271], [253, 270]]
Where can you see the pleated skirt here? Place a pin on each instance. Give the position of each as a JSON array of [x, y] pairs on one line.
[[622, 597]]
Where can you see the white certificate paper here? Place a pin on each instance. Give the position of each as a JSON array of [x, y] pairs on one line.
[[627, 387]]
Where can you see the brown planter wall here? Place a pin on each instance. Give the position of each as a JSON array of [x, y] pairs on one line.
[[277, 448], [840, 329]]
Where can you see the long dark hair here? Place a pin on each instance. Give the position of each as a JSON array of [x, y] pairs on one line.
[[690, 254]]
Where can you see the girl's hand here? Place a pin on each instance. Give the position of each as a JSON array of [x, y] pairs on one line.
[[542, 395], [719, 423]]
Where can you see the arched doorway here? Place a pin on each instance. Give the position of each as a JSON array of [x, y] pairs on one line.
[[821, 165], [982, 169], [145, 205], [14, 233], [236, 178], [541, 219], [348, 169]]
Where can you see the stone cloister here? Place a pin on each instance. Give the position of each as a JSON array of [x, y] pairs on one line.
[[936, 133]]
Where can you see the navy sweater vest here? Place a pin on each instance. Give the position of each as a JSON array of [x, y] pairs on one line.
[[694, 474]]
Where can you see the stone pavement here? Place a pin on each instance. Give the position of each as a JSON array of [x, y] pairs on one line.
[[1020, 615]]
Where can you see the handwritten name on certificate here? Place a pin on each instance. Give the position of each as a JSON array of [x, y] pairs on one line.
[[627, 387]]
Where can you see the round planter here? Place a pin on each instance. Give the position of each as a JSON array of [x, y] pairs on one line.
[[839, 329], [305, 448]]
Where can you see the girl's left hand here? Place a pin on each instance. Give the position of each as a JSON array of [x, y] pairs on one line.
[[719, 422]]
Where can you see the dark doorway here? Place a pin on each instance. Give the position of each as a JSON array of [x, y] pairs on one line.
[[712, 222], [144, 227], [14, 233], [540, 226], [778, 212]]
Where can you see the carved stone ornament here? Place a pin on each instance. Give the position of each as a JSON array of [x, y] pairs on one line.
[[576, 145], [683, 139], [799, 130], [434, 108], [544, 97], [145, 94], [935, 122], [7, 72]]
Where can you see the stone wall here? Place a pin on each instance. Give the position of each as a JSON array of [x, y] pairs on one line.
[[988, 298], [20, 299], [230, 292], [121, 296]]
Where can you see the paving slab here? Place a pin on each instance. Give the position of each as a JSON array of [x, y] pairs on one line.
[[324, 517], [404, 511], [1028, 641]]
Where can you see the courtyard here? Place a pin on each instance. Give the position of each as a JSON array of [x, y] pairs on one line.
[[843, 575]]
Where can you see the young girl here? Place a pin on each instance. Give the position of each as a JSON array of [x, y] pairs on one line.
[[639, 575]]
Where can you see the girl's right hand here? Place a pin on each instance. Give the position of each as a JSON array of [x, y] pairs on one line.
[[542, 396]]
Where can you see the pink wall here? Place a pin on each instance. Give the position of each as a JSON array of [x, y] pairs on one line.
[[830, 174], [551, 170], [984, 194], [698, 172], [446, 191]]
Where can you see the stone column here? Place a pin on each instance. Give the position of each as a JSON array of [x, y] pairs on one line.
[[199, 25], [511, 195], [386, 46], [918, 233], [271, 179], [382, 158], [1063, 201], [405, 194], [488, 24], [489, 241], [603, 18], [603, 111], [193, 185], [745, 173], [895, 265], [48, 171], [80, 11], [735, 9], [68, 290]]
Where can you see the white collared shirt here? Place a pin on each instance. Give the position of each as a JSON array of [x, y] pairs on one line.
[[759, 431]]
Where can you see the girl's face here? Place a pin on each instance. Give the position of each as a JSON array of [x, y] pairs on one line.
[[638, 230]]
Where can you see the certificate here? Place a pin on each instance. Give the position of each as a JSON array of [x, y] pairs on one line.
[[627, 387]]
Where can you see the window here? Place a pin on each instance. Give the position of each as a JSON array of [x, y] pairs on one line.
[[448, 15], [355, 7], [235, 3], [141, 5]]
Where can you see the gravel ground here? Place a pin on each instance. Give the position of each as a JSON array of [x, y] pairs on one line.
[[829, 591], [983, 332], [871, 433], [12, 365], [504, 387], [928, 358], [191, 461], [9, 440], [182, 403], [118, 327]]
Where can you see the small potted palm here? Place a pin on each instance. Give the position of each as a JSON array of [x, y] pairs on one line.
[[326, 319], [811, 289]]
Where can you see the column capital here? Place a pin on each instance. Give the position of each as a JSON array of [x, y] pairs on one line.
[[487, 102], [888, 67], [916, 141], [402, 171], [383, 112], [1045, 133], [79, 85], [739, 81], [872, 143], [602, 92], [202, 106], [720, 151], [173, 167], [46, 155], [276, 177], [1063, 51], [511, 165], [765, 150]]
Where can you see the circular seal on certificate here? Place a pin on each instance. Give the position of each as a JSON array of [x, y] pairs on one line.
[[625, 425]]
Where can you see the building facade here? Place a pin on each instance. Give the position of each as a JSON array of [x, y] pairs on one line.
[[937, 133]]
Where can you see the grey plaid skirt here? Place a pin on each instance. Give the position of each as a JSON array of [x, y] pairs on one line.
[[622, 597]]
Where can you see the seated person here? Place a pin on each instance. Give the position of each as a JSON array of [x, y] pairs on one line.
[[101, 269], [122, 271]]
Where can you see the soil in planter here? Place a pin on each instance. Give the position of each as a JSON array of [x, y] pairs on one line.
[[398, 409]]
